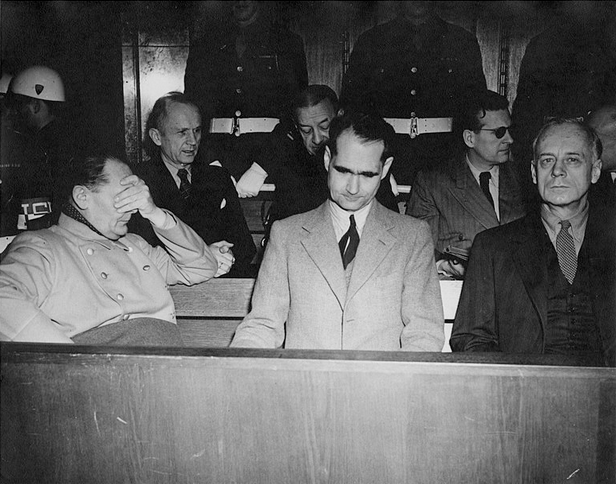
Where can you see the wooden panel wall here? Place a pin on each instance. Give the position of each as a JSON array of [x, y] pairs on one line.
[[279, 417]]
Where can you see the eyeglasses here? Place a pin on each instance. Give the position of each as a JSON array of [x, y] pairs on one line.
[[499, 132]]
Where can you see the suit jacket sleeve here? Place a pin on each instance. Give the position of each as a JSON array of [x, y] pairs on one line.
[[474, 327], [423, 206], [264, 325], [422, 308]]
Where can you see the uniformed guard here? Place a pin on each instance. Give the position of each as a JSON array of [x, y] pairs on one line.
[[243, 74], [414, 71], [36, 101]]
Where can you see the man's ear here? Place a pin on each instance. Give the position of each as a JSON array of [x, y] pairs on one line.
[[469, 138], [596, 171], [533, 172], [81, 196], [155, 136], [327, 158], [387, 166]]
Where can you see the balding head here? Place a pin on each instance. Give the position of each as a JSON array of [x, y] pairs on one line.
[[603, 121]]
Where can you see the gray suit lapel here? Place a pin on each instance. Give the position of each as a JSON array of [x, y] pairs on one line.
[[466, 190], [319, 240], [375, 243]]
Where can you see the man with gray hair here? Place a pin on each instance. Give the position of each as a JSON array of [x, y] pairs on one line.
[[547, 283]]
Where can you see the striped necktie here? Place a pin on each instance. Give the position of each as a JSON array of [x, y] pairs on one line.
[[184, 183], [567, 258]]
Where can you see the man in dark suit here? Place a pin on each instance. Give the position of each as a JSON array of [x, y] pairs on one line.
[[451, 197], [547, 283], [182, 181], [349, 274]]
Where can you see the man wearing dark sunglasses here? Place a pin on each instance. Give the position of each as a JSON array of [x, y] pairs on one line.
[[476, 190]]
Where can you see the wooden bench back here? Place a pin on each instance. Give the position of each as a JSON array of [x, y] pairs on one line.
[[209, 313]]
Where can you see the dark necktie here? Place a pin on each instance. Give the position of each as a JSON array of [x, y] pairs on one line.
[[484, 183], [348, 243], [567, 259], [184, 183]]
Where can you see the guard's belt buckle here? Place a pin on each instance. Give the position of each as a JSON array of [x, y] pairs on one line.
[[222, 125], [415, 126], [255, 125]]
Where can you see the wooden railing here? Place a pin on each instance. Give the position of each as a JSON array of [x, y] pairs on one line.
[[75, 414]]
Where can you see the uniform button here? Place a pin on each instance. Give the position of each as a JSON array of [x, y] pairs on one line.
[[413, 70], [130, 249], [382, 70], [104, 275], [90, 251], [238, 90], [125, 317], [413, 92], [146, 268], [120, 297], [238, 113], [240, 68]]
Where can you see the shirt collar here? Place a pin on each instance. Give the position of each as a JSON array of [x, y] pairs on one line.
[[341, 218], [578, 224], [494, 171]]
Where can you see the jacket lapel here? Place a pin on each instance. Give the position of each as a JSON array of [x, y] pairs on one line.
[[319, 240], [375, 243], [528, 249], [466, 190]]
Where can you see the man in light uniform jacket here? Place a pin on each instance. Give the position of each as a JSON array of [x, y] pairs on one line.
[[87, 280]]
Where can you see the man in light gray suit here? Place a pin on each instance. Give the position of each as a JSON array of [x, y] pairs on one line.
[[474, 191], [349, 274]]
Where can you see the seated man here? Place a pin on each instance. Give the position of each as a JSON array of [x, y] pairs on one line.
[[349, 274], [293, 161], [473, 191], [86, 280], [201, 194], [547, 283]]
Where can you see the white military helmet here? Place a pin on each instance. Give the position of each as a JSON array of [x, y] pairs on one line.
[[39, 82]]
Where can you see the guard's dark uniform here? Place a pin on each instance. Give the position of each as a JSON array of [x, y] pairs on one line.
[[34, 177], [259, 83], [397, 69]]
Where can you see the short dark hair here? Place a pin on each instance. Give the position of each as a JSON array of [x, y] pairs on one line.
[[88, 170], [591, 135], [368, 128], [311, 96], [477, 106], [159, 113]]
